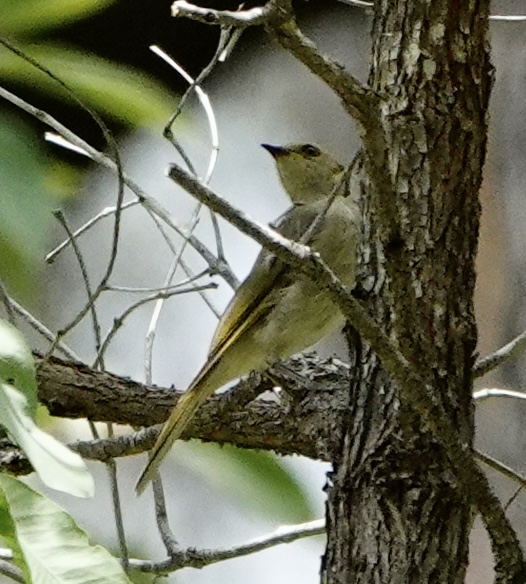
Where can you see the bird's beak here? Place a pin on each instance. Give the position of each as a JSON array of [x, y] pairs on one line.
[[275, 151]]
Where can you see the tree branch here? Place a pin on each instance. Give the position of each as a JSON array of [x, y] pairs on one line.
[[192, 558], [240, 19], [508, 351], [305, 425]]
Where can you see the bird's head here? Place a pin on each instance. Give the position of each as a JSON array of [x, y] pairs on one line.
[[307, 173]]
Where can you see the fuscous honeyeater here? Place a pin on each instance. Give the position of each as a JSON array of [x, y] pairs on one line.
[[277, 311]]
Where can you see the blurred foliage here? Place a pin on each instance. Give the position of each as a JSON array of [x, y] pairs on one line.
[[27, 201], [122, 93], [32, 181], [258, 481], [28, 17]]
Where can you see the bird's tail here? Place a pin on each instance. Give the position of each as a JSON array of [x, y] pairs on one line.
[[181, 415]]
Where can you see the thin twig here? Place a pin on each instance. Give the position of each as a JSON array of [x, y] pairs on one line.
[[154, 320], [186, 268], [149, 203], [359, 3], [85, 277], [157, 290], [241, 18], [341, 183], [106, 212], [6, 301], [508, 17], [205, 103], [118, 321], [508, 351], [214, 134], [11, 571], [117, 509], [163, 525], [232, 36], [192, 558], [43, 330], [497, 392], [510, 501], [501, 468]]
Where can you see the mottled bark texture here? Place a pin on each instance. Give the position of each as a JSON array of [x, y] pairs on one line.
[[395, 511]]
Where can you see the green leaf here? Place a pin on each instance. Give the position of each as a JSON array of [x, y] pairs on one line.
[[256, 479], [8, 534], [33, 17], [55, 548], [59, 467], [126, 94], [16, 364]]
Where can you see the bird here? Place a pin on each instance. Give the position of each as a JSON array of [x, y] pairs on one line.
[[278, 312]]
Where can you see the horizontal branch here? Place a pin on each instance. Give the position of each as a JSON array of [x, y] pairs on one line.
[[74, 390], [192, 558], [240, 19], [498, 392]]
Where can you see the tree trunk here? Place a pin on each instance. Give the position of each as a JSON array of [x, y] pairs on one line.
[[395, 512]]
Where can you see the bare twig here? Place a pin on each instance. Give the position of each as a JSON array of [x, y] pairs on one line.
[[42, 329], [149, 203], [85, 277], [510, 350], [205, 103], [159, 290], [154, 320], [496, 392], [106, 212], [188, 271], [508, 17], [118, 321], [6, 301], [117, 509], [163, 525], [359, 3], [502, 468], [11, 571], [192, 558], [241, 18]]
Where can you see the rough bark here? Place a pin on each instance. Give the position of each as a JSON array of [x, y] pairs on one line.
[[307, 421], [395, 511]]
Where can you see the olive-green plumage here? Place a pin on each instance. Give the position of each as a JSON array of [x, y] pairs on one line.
[[277, 312]]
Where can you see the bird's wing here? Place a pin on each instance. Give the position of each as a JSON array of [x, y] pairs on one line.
[[253, 299]]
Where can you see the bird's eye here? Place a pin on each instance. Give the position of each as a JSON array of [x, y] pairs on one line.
[[310, 151]]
